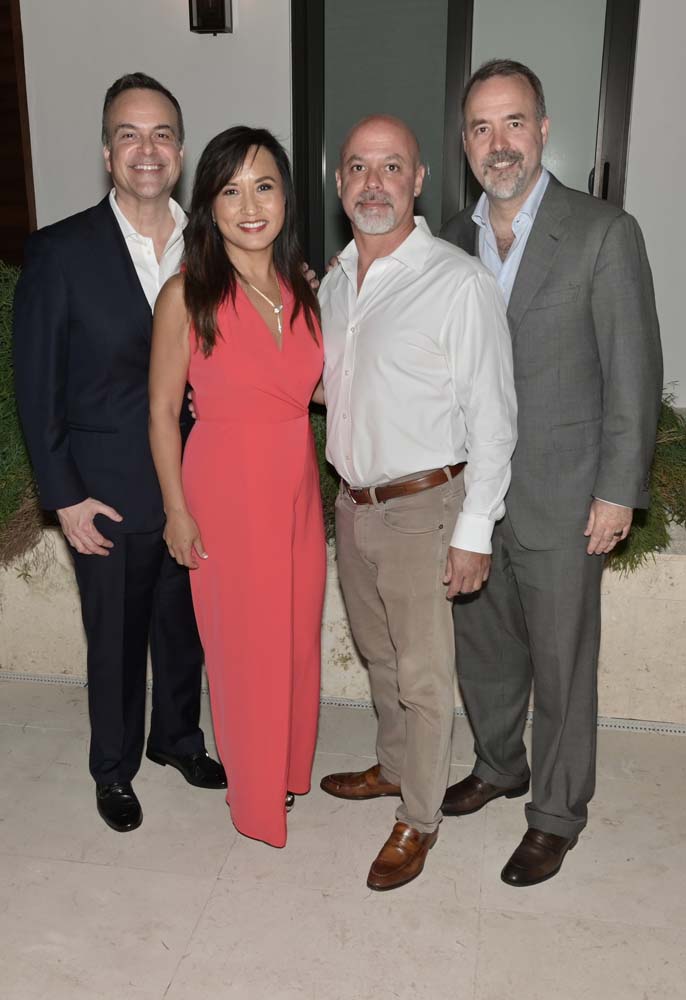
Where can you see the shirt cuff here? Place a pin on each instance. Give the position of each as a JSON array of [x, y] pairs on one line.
[[612, 503], [472, 533]]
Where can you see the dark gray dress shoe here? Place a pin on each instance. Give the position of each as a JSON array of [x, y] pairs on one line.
[[472, 794], [118, 806], [197, 768], [538, 858]]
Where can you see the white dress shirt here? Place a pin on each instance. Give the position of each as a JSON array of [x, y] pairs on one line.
[[152, 273], [418, 374]]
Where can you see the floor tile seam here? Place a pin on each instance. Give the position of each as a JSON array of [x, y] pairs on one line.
[[482, 865], [230, 851], [134, 869], [477, 955], [350, 894], [33, 726], [322, 890], [185, 951], [567, 915]]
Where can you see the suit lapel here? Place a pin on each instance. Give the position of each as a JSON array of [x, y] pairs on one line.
[[541, 249], [125, 282]]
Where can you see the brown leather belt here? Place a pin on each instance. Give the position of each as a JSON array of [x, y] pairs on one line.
[[389, 491]]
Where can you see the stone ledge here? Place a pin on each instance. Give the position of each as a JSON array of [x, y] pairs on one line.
[[641, 660], [641, 672]]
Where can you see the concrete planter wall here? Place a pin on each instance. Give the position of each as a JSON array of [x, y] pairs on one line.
[[642, 672]]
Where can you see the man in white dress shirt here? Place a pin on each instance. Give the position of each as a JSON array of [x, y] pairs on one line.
[[83, 320], [421, 427]]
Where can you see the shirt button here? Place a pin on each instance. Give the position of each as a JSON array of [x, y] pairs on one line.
[[345, 416], [353, 329], [347, 371]]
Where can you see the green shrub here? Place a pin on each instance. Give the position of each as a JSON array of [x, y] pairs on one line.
[[20, 519], [650, 531], [327, 474]]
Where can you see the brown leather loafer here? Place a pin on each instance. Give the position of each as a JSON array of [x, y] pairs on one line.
[[359, 785], [401, 858], [538, 857], [472, 794]]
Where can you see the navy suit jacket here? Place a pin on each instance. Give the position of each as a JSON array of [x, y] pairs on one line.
[[82, 329]]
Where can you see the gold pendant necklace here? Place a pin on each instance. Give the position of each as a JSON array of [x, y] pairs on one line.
[[277, 309]]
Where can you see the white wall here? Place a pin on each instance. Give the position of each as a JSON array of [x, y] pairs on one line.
[[74, 49], [655, 175]]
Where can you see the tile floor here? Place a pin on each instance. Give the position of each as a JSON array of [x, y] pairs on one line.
[[185, 909]]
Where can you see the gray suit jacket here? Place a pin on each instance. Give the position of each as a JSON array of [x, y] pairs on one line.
[[587, 364]]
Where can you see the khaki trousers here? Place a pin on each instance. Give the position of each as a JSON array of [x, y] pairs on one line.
[[391, 561]]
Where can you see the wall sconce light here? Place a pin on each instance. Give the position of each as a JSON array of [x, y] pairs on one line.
[[210, 17]]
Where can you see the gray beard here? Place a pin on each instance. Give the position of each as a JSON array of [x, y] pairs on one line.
[[503, 190], [374, 225]]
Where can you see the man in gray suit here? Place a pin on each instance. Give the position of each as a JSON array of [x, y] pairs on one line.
[[588, 374]]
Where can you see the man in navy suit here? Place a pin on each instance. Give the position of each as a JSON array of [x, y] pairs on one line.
[[83, 321]]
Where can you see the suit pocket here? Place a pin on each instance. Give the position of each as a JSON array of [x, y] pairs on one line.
[[560, 296], [574, 437]]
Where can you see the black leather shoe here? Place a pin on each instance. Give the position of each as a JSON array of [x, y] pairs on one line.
[[197, 768], [472, 794], [538, 858], [118, 806]]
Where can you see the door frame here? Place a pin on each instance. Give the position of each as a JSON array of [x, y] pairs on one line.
[[614, 107], [309, 146]]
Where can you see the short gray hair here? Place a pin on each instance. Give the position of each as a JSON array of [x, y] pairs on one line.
[[507, 67]]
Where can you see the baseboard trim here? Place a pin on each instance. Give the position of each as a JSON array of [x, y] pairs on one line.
[[627, 725]]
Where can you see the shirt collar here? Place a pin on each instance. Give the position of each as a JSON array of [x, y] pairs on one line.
[[528, 210], [178, 215], [412, 252]]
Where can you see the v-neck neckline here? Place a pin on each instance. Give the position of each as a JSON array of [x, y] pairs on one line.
[[263, 322]]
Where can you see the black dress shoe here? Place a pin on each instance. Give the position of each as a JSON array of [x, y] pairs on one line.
[[538, 858], [197, 768], [118, 806], [472, 794]]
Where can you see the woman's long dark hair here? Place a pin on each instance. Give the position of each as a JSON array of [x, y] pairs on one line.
[[210, 275]]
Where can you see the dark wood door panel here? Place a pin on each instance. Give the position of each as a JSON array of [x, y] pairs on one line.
[[17, 203]]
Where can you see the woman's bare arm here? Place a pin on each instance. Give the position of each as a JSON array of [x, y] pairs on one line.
[[169, 360]]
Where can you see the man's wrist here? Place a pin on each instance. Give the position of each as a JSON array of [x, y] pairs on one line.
[[612, 503], [473, 534]]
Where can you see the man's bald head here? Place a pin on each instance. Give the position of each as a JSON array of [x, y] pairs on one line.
[[379, 176], [382, 124]]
